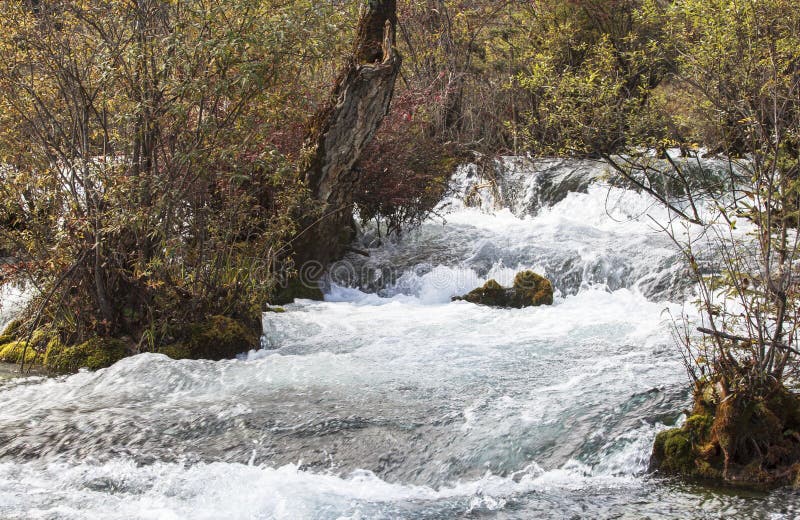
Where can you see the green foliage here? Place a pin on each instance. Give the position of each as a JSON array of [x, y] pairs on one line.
[[733, 58], [588, 69]]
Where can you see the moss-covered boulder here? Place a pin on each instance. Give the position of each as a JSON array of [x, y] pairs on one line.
[[751, 441], [672, 452], [44, 349], [529, 290], [295, 288], [675, 451], [15, 351], [94, 354], [16, 345], [215, 338], [492, 293]]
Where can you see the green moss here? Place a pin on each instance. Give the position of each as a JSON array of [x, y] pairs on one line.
[[706, 470], [12, 352], [275, 309], [672, 452], [176, 351], [94, 354], [742, 440], [11, 331], [297, 289], [218, 337], [699, 427], [688, 451]]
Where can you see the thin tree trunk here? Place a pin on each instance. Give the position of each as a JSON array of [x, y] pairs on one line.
[[342, 130]]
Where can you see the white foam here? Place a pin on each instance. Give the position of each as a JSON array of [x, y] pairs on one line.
[[123, 490]]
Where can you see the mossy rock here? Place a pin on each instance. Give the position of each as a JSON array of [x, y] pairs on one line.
[[94, 354], [217, 337], [13, 352], [176, 351], [492, 294], [745, 441], [297, 289], [699, 427], [672, 452], [529, 290]]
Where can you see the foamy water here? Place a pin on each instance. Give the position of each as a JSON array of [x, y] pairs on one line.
[[389, 401]]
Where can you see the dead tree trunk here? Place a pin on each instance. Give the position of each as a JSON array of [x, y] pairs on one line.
[[342, 130]]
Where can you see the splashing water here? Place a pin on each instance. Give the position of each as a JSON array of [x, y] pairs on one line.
[[388, 401], [12, 299]]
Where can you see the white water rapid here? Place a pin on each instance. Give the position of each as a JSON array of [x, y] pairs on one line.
[[389, 401]]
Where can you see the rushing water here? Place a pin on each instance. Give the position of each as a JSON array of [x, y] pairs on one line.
[[388, 401], [12, 299]]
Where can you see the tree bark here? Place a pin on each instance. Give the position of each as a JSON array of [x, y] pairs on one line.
[[341, 131]]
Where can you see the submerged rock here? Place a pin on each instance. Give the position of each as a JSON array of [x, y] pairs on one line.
[[492, 293], [529, 290], [743, 441]]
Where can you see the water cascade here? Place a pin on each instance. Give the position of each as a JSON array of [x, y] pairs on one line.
[[389, 401]]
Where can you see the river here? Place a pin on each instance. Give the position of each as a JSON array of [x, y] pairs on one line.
[[389, 401]]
